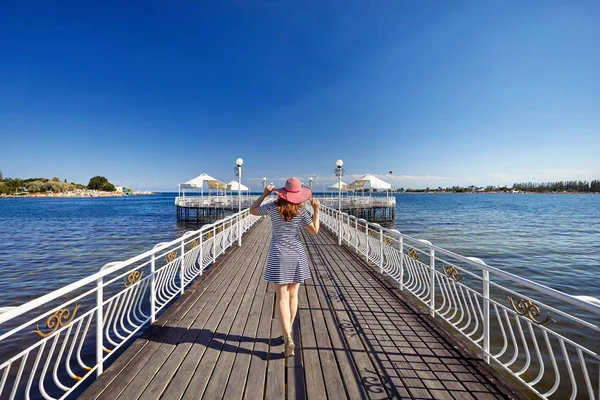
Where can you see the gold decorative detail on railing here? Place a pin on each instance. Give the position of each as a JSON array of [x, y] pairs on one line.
[[372, 233], [88, 368], [171, 257], [452, 273], [59, 319], [413, 254], [77, 378], [107, 350], [194, 243], [220, 229], [388, 241], [134, 277], [530, 310], [209, 235]]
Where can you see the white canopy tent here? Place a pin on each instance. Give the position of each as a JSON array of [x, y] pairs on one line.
[[233, 186], [336, 186], [371, 182], [198, 183]]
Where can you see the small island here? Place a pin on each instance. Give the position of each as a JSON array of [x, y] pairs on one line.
[[98, 186]]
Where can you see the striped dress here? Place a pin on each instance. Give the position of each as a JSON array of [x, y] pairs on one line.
[[287, 262]]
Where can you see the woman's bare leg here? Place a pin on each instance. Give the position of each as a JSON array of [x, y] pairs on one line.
[[293, 293], [283, 305]]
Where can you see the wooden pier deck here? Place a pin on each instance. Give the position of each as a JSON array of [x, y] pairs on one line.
[[356, 338]]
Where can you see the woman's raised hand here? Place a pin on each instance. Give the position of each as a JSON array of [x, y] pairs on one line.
[[268, 189], [315, 204]]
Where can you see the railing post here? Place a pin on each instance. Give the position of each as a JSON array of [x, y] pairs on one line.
[[380, 247], [355, 234], [214, 239], [486, 316], [339, 219], [201, 258], [239, 217], [431, 277], [367, 240], [99, 326], [401, 251], [181, 267], [153, 287], [486, 310]]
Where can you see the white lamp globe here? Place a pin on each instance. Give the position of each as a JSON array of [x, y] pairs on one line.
[[239, 162], [339, 163]]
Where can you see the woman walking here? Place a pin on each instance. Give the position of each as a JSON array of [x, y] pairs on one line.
[[287, 265]]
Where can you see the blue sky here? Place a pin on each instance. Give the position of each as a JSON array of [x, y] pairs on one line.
[[151, 94]]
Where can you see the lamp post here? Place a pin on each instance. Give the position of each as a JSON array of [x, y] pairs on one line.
[[238, 171], [339, 172], [264, 182], [310, 182]]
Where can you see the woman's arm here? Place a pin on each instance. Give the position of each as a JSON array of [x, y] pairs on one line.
[[258, 202], [313, 227]]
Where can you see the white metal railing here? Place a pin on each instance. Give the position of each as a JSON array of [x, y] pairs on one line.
[[228, 202], [52, 344], [219, 202], [515, 323], [359, 202]]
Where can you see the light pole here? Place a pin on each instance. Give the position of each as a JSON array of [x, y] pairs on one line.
[[310, 182], [339, 172], [264, 182], [238, 171]]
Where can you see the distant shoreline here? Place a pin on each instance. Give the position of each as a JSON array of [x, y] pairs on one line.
[[68, 195]]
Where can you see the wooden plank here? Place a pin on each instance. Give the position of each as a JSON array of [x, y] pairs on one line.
[[370, 381], [327, 295], [216, 346], [329, 365], [169, 339], [315, 385], [241, 364], [274, 388], [294, 367], [255, 384], [168, 370], [222, 370], [209, 279], [361, 298]]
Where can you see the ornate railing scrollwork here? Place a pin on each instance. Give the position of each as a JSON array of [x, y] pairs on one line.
[[171, 257], [528, 309], [209, 235], [413, 254], [452, 273], [132, 278], [193, 243], [57, 320]]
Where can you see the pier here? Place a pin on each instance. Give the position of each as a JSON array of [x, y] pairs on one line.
[[385, 315], [356, 338], [205, 209]]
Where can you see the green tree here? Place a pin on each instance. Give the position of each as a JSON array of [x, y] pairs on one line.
[[55, 179], [97, 183]]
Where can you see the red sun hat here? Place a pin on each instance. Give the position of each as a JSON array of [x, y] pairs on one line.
[[294, 192]]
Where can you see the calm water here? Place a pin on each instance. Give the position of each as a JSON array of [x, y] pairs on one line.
[[552, 239]]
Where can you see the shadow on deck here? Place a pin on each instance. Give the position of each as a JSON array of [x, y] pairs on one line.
[[356, 337]]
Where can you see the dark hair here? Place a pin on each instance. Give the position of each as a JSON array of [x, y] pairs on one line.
[[287, 210]]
